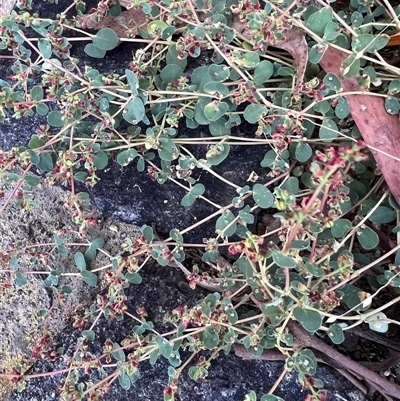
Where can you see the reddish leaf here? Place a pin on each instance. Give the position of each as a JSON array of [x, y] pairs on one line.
[[380, 130]]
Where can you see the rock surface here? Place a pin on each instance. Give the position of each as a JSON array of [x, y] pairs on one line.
[[20, 326]]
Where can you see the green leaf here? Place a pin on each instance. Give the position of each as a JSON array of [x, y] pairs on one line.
[[382, 215], [231, 315], [226, 219], [291, 185], [124, 380], [126, 156], [14, 263], [335, 333], [168, 150], [328, 130], [332, 30], [37, 93], [351, 66], [317, 52], [319, 20], [306, 362], [271, 397], [172, 57], [80, 261], [45, 48], [217, 154], [253, 112], [244, 266], [215, 110], [341, 227], [154, 28], [263, 196], [42, 109], [118, 354], [285, 72], [198, 190], [323, 107], [333, 82], [342, 108], [188, 200], [134, 278], [89, 335], [299, 244], [170, 73], [100, 160], [377, 322], [90, 253], [35, 158], [219, 127], [132, 81], [310, 319], [283, 260], [303, 152], [115, 10], [168, 32], [46, 162], [252, 396], [263, 72], [140, 164], [176, 235], [20, 279], [55, 119], [93, 51], [216, 88], [369, 43], [154, 357], [273, 312], [36, 142], [210, 337], [367, 237], [66, 289], [164, 346], [394, 87], [32, 180], [219, 73], [134, 111], [247, 60], [105, 39], [314, 269], [392, 105], [174, 359], [89, 278]]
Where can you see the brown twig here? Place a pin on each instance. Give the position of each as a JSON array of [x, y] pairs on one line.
[[307, 340], [275, 355]]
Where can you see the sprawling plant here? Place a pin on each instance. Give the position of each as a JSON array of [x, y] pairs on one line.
[[328, 199]]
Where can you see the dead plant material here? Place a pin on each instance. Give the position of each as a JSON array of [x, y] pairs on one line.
[[380, 130], [126, 25], [294, 43], [378, 382]]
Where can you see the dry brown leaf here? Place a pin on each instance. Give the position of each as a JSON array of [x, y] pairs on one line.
[[125, 25], [379, 129], [295, 44]]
